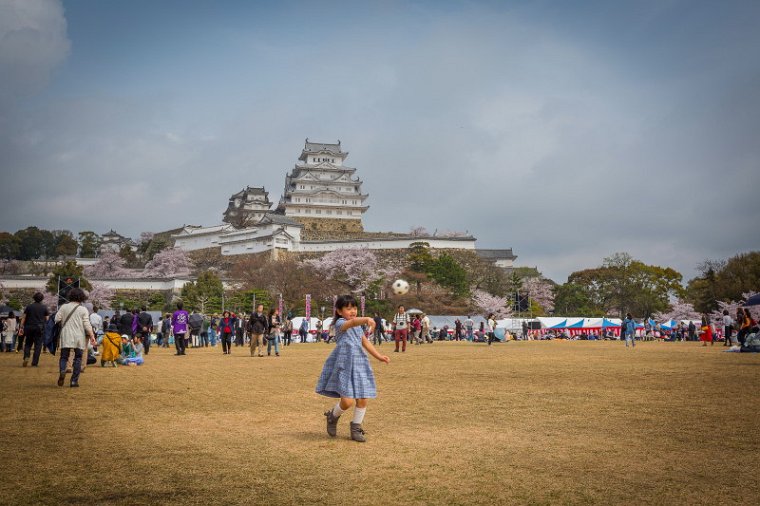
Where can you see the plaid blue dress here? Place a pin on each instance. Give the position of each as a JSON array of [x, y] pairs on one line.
[[347, 372]]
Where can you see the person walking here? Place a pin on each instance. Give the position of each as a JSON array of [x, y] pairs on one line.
[[400, 328], [179, 328], [728, 328], [629, 328], [377, 336], [692, 331], [257, 325], [226, 329], [347, 374], [425, 321], [75, 328], [457, 329], [275, 325], [9, 331], [166, 330], [303, 329], [287, 331], [145, 327], [31, 328], [469, 325], [706, 335], [491, 322]]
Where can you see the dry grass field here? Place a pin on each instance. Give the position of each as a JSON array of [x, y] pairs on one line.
[[454, 423]]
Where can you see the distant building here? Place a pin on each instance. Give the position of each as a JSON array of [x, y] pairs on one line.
[[322, 193], [503, 258], [247, 207], [320, 210], [114, 241]]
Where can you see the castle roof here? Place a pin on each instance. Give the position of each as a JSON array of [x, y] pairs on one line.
[[321, 147]]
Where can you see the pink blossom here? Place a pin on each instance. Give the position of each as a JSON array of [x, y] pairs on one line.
[[168, 263]]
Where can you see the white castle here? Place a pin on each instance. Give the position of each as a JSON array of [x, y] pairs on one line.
[[320, 210]]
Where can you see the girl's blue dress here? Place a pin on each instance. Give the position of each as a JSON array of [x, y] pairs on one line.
[[347, 372]]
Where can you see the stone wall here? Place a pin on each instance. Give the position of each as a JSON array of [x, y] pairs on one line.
[[328, 228]]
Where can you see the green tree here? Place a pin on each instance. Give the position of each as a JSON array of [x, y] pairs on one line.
[[419, 256], [31, 243], [204, 294], [89, 242], [156, 245], [573, 299], [623, 285], [447, 272], [129, 256], [724, 281], [65, 244], [9, 246], [65, 270]]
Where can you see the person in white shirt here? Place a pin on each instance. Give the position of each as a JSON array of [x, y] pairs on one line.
[[728, 328], [75, 330], [401, 328], [96, 321]]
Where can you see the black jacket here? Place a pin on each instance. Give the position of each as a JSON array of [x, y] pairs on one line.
[[125, 324], [258, 323]]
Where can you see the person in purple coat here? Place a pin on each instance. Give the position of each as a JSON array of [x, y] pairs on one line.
[[179, 328]]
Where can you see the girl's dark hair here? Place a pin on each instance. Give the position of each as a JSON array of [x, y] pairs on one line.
[[77, 295], [38, 297], [180, 305], [341, 302], [225, 313]]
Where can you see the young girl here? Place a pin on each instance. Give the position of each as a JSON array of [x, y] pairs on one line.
[[347, 374]]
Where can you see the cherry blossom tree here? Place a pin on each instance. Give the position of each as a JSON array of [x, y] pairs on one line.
[[168, 263], [487, 303], [679, 310], [109, 265], [357, 269], [419, 232], [540, 291], [101, 295]]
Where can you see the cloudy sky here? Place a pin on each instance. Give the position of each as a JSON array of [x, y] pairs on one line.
[[565, 130]]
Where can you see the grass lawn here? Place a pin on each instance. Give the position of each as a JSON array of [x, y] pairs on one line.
[[454, 423]]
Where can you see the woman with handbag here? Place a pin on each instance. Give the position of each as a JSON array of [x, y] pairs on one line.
[[75, 330]]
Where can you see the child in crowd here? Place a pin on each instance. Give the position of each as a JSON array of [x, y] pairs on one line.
[[135, 356], [9, 330], [347, 374]]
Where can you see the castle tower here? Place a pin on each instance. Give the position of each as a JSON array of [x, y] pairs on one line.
[[247, 207], [322, 193]]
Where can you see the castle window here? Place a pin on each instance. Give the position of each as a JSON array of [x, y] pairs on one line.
[[329, 211], [318, 211]]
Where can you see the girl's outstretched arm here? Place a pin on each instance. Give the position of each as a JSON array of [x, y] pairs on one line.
[[357, 322], [372, 351]]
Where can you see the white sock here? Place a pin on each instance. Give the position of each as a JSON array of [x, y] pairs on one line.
[[337, 411], [359, 415]]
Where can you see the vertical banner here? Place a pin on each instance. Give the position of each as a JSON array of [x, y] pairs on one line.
[[280, 307], [308, 307], [364, 300]]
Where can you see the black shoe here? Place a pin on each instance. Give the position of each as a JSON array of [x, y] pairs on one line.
[[74, 385], [61, 378]]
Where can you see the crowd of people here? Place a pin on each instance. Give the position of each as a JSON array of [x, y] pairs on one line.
[[126, 337]]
